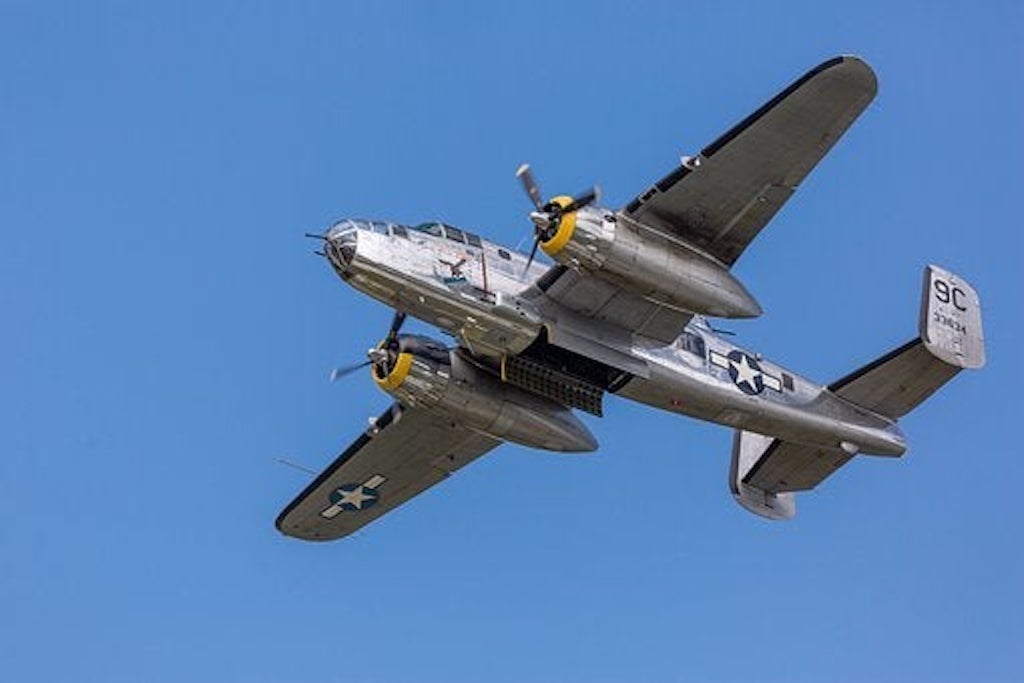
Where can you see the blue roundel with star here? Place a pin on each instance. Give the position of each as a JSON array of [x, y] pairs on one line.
[[745, 372]]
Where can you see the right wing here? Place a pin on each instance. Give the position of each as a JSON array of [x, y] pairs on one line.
[[407, 451], [721, 200]]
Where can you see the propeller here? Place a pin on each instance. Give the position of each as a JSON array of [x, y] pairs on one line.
[[345, 371], [384, 353], [396, 324], [530, 185], [547, 217]]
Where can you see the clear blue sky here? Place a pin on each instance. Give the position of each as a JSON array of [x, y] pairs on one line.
[[168, 333]]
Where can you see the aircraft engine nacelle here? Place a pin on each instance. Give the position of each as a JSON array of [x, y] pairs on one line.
[[647, 263], [422, 372]]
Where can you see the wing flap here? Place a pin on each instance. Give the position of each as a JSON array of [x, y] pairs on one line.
[[606, 304], [722, 199], [406, 452]]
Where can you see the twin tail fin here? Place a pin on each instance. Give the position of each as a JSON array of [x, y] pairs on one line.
[[766, 472]]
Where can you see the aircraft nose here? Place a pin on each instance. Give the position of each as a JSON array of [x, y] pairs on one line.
[[341, 247]]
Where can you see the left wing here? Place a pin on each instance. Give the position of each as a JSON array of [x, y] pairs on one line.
[[405, 452], [721, 200]]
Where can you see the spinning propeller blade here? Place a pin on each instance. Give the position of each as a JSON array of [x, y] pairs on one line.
[[533, 252], [585, 199], [339, 373], [383, 353], [530, 185]]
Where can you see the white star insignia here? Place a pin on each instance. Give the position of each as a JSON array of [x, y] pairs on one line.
[[356, 497], [745, 373], [353, 497]]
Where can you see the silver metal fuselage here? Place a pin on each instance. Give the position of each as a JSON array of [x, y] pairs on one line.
[[477, 291]]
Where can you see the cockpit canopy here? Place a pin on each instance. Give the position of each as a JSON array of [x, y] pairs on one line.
[[434, 228]]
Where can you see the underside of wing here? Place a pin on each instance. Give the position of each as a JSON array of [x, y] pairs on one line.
[[720, 200], [405, 452]]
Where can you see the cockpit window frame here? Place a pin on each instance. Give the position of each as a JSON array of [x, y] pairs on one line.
[[430, 228], [450, 232], [454, 234]]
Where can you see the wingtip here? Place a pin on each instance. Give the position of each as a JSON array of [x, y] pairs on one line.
[[301, 534], [857, 68]]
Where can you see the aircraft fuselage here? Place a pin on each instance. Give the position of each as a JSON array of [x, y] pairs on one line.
[[474, 290]]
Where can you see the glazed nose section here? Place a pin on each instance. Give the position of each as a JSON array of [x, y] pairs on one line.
[[341, 247]]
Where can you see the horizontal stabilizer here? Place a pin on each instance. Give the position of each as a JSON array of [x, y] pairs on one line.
[[951, 339], [897, 382]]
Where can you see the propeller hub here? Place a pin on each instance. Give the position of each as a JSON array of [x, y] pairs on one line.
[[391, 373], [541, 220], [563, 224], [553, 222]]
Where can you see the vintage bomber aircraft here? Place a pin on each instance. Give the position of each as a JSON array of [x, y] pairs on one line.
[[622, 311]]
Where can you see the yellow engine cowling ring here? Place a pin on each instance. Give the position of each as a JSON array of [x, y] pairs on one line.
[[566, 227], [394, 378]]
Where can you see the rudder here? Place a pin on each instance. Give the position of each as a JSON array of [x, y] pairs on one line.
[[950, 324]]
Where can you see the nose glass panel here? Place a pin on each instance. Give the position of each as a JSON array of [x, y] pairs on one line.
[[341, 246], [344, 226]]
